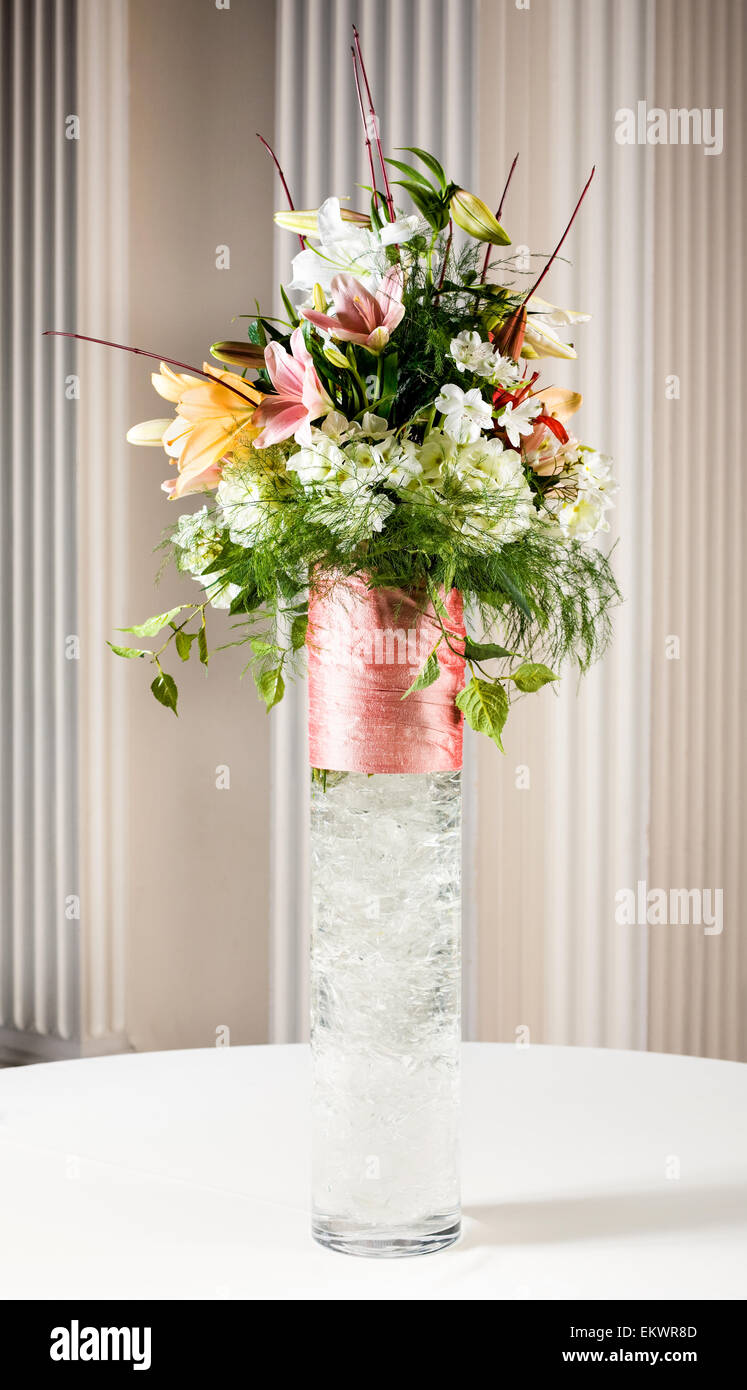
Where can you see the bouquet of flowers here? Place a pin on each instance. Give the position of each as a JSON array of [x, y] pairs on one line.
[[392, 428]]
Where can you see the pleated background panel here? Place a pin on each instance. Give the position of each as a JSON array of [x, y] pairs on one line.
[[39, 935], [64, 266]]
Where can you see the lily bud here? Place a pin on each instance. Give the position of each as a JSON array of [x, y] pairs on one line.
[[307, 223], [334, 356], [510, 339], [249, 355], [474, 216]]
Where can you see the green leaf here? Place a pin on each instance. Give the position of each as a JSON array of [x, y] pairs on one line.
[[153, 625], [428, 204], [513, 591], [411, 173], [485, 707], [298, 631], [532, 675], [290, 311], [128, 651], [261, 647], [426, 676], [429, 160], [164, 689], [183, 643], [202, 646], [484, 651], [271, 686]]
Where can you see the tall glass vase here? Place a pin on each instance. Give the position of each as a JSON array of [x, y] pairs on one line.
[[385, 1011], [386, 895]]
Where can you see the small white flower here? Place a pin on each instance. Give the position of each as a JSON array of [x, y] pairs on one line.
[[472, 354], [504, 371], [516, 420], [465, 413]]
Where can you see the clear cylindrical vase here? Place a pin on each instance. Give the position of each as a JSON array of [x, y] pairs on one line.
[[385, 1011], [385, 739]]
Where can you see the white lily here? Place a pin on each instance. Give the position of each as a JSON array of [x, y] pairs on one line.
[[346, 246], [542, 318]]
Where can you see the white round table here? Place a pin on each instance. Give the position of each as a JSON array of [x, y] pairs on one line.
[[586, 1174]]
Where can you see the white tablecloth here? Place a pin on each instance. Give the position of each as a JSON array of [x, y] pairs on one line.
[[589, 1174]]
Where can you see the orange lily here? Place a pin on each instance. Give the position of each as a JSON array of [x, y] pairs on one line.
[[209, 416]]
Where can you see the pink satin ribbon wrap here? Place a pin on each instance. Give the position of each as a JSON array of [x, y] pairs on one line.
[[365, 648]]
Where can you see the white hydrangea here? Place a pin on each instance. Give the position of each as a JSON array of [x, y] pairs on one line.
[[244, 509], [321, 463], [486, 468], [436, 455], [198, 539]]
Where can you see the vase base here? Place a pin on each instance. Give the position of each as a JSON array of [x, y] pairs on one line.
[[375, 1243]]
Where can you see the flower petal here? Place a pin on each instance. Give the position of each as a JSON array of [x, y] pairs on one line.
[[150, 432]]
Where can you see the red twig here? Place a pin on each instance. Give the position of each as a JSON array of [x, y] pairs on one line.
[[498, 214], [286, 189], [366, 136], [538, 282], [143, 352], [372, 110]]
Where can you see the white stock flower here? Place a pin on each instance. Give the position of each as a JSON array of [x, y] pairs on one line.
[[465, 413], [581, 516], [516, 420], [594, 474]]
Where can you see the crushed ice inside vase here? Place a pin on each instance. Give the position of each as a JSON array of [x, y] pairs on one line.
[[385, 983]]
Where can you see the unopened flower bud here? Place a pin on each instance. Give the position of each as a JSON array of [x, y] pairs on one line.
[[474, 216], [248, 355]]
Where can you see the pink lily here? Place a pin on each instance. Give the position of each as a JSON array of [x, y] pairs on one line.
[[362, 317], [300, 396]]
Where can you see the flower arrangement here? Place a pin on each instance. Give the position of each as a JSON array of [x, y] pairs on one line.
[[391, 427]]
